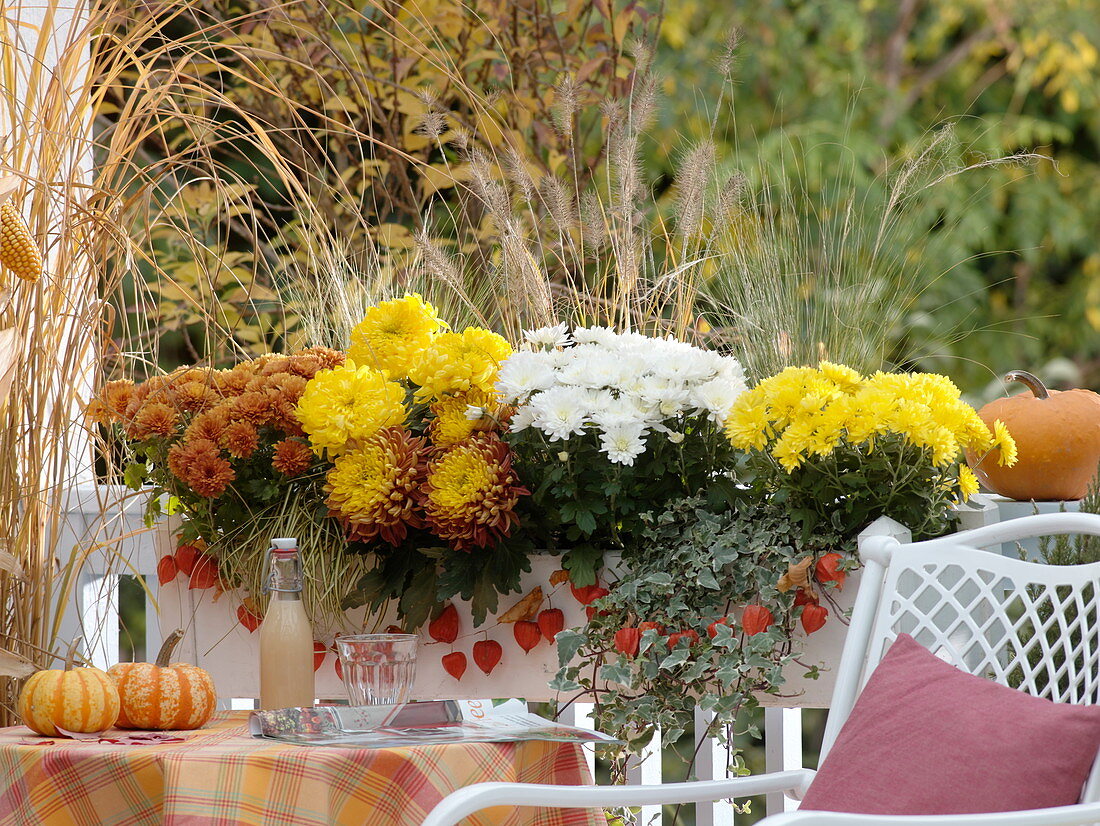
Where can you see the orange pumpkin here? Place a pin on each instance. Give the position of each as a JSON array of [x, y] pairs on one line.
[[1057, 437], [73, 699], [162, 696]]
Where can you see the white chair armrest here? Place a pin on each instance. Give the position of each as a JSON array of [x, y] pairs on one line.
[[1078, 815], [466, 801]]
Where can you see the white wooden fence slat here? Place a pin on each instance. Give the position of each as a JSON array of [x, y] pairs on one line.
[[646, 769], [580, 715], [584, 719], [782, 750], [711, 763], [97, 603], [154, 634]]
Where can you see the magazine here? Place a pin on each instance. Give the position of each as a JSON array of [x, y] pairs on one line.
[[414, 724]]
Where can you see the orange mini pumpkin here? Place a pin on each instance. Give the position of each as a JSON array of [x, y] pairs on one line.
[[162, 696], [1057, 435], [73, 699]]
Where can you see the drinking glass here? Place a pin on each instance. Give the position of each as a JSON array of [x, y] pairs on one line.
[[378, 669]]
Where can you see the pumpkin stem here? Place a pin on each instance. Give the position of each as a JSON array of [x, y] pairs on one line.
[[1031, 381], [170, 643], [72, 653]]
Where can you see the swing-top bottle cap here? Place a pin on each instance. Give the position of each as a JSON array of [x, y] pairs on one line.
[[284, 545]]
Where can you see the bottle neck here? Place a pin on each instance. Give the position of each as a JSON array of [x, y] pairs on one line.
[[285, 580]]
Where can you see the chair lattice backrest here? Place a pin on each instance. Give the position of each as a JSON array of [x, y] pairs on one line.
[[1030, 626]]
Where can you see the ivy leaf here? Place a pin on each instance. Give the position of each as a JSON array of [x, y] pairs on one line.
[[678, 657], [569, 643], [619, 672], [706, 579]]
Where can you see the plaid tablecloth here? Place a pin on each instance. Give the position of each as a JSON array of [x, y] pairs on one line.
[[221, 775]]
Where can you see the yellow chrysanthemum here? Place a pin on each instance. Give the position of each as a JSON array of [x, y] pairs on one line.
[[458, 363], [1005, 444], [803, 412], [968, 482], [747, 426], [393, 334], [787, 453], [471, 492], [842, 375], [452, 425], [347, 405], [374, 489]]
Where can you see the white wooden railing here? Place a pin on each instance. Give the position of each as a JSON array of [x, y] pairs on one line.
[[106, 546]]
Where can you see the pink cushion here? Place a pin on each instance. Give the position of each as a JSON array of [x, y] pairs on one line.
[[925, 738]]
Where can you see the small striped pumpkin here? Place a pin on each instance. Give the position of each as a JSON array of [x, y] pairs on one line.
[[162, 696], [74, 699]]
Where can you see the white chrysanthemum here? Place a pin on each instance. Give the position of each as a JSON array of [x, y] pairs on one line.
[[619, 386], [523, 418], [685, 366], [731, 370], [625, 408], [474, 413], [667, 395], [522, 374], [551, 337], [651, 387], [716, 397], [560, 411], [596, 400], [593, 369], [595, 335], [623, 441]]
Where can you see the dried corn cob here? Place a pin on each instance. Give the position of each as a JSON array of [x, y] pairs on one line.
[[17, 250]]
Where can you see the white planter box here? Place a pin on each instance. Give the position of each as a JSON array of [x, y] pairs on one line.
[[991, 508], [219, 643]]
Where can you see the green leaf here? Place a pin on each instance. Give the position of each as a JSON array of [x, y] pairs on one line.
[[569, 643], [679, 656], [585, 521], [583, 563], [619, 672], [135, 475], [419, 598]]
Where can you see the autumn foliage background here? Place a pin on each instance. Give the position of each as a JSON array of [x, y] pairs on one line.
[[323, 138]]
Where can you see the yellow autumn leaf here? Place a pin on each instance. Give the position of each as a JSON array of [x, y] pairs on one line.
[[393, 236], [12, 665], [797, 576], [525, 609]]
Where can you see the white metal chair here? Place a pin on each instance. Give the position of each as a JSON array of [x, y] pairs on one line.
[[976, 609]]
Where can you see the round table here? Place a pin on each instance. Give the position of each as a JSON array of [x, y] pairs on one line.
[[221, 775]]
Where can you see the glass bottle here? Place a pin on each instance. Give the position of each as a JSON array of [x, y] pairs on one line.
[[286, 637]]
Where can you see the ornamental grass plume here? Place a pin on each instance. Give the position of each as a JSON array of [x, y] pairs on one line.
[[470, 492]]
